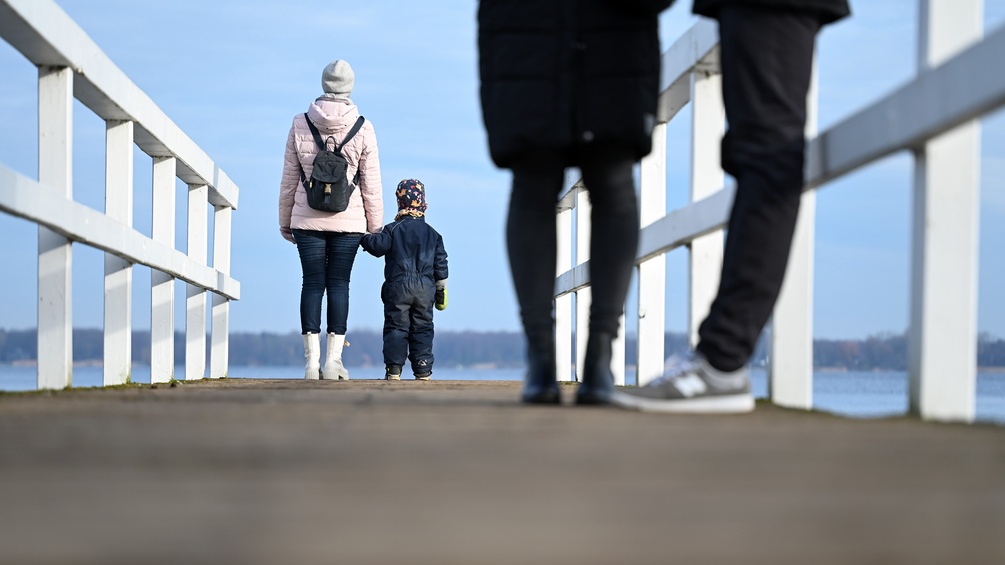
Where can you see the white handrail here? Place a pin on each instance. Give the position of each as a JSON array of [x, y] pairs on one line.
[[25, 198], [48, 37], [72, 66]]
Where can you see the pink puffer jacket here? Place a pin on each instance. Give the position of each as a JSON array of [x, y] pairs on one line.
[[366, 208]]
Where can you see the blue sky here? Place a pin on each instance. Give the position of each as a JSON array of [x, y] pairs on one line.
[[232, 74]]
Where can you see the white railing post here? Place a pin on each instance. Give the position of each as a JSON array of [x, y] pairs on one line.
[[942, 342], [790, 357], [162, 286], [195, 303], [118, 272], [584, 296], [55, 253], [652, 273], [220, 351], [563, 304], [705, 257]]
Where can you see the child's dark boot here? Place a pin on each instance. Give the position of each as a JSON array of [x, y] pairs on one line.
[[422, 370]]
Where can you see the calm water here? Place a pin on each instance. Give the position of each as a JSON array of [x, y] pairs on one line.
[[859, 394]]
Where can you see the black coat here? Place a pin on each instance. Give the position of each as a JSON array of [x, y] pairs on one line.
[[829, 10], [556, 74]]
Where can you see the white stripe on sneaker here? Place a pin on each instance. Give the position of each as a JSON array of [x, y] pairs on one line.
[[724, 404], [690, 385]]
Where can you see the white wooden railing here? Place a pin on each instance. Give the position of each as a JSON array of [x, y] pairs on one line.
[[934, 117], [70, 66]]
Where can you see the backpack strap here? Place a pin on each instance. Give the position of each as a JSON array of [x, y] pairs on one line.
[[338, 147], [352, 132], [315, 132], [317, 140]]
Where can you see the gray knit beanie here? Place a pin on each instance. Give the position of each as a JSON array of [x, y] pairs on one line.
[[338, 79]]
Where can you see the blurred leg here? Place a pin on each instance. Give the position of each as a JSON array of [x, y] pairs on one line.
[[614, 236], [767, 57], [530, 238]]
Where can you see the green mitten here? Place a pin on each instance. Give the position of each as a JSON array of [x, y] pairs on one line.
[[441, 298]]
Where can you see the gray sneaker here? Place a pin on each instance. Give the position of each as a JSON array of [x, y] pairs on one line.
[[691, 385]]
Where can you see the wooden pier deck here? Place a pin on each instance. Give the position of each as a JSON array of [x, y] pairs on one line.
[[280, 471]]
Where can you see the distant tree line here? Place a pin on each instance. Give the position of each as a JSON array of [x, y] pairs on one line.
[[466, 349], [885, 351], [501, 349], [889, 352]]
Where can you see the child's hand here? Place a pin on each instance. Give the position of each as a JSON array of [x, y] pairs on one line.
[[441, 297], [365, 243]]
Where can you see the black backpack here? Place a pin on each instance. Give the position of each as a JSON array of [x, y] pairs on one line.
[[328, 189]]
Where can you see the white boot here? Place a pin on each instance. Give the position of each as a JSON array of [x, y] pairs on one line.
[[312, 354], [334, 369]]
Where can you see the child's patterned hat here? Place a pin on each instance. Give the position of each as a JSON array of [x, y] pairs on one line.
[[411, 195]]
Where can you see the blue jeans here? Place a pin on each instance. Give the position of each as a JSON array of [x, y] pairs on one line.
[[326, 258]]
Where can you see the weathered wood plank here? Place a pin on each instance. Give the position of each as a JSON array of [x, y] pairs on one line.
[[291, 471]]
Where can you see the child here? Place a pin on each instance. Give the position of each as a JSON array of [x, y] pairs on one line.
[[415, 280]]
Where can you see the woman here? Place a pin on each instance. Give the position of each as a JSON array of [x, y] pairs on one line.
[[327, 242], [569, 83]]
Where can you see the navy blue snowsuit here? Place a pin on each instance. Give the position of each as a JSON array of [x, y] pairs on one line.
[[414, 259]]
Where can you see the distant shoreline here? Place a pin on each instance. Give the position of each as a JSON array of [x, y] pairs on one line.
[[489, 366], [886, 352]]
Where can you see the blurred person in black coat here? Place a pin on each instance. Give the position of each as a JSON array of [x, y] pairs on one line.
[[569, 83]]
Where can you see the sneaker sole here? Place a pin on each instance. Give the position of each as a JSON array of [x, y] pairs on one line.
[[393, 378], [727, 404]]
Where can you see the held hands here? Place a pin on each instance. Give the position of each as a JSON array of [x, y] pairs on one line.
[[440, 303], [365, 243]]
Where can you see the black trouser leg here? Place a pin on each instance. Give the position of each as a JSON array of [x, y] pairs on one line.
[[530, 235], [530, 239], [614, 236], [767, 57]]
